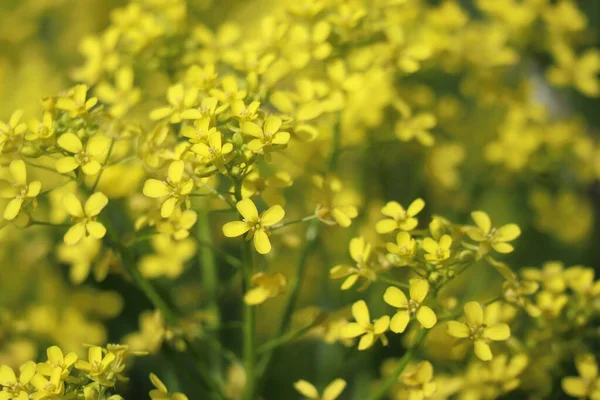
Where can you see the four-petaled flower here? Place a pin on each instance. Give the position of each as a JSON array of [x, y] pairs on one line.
[[161, 392], [587, 384], [76, 102], [267, 136], [407, 309], [399, 218], [369, 331], [13, 388], [19, 190], [181, 103], [402, 252], [84, 218], [267, 286], [496, 238], [88, 157], [56, 358], [174, 189], [437, 251], [360, 251], [476, 330], [214, 150], [331, 391], [418, 381], [256, 225], [98, 366]]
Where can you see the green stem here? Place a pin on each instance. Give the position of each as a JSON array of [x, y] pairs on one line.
[[296, 221], [44, 223], [210, 279], [249, 328], [110, 149], [393, 282], [385, 386], [289, 337]]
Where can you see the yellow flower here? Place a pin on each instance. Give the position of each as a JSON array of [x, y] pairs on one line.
[[123, 95], [496, 238], [174, 190], [178, 225], [11, 133], [418, 382], [477, 331], [587, 384], [98, 366], [76, 102], [551, 275], [256, 225], [580, 72], [200, 132], [308, 43], [418, 128], [84, 218], [229, 92], [181, 105], [161, 393], [169, 258], [267, 286], [407, 309], [43, 129], [437, 251], [399, 218], [48, 388], [403, 251], [369, 331], [214, 151], [267, 136], [360, 251], [56, 359], [331, 391], [19, 191], [243, 113], [87, 158], [13, 388], [329, 210]]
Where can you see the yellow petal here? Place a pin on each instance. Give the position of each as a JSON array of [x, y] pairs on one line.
[[426, 317], [168, 207], [445, 242], [95, 229], [497, 332], [366, 341], [252, 129], [357, 247], [393, 209], [482, 220], [175, 172], [395, 297], [248, 210], [386, 226], [70, 142], [74, 234], [157, 383], [18, 172], [256, 296], [399, 321], [272, 124], [26, 372], [272, 216], [349, 282], [502, 247], [458, 329], [474, 313], [97, 145], [235, 228], [91, 167], [12, 209], [66, 164], [360, 311], [306, 389], [7, 376], [429, 245], [575, 387], [586, 366], [334, 389], [55, 355], [154, 188], [262, 242], [482, 350], [33, 189], [508, 232], [381, 325], [95, 204], [281, 138], [418, 289], [72, 205], [415, 207]]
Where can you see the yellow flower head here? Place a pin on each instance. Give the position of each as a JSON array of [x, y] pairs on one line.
[[161, 393], [399, 218], [173, 191], [418, 382], [360, 251], [98, 366], [84, 218], [587, 384], [403, 251], [266, 136], [331, 391], [75, 102], [496, 238], [13, 388], [181, 105], [256, 225], [437, 251], [369, 331], [477, 331], [417, 127], [19, 190], [11, 133], [267, 286], [88, 157], [214, 150], [329, 210], [407, 309], [56, 358]]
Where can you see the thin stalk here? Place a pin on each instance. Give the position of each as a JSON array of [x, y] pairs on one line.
[[385, 386], [289, 337], [249, 328], [110, 149], [296, 221], [393, 282]]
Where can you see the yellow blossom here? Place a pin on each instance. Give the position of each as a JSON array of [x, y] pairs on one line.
[[214, 151], [403, 251], [98, 366], [418, 382], [587, 384], [76, 103], [169, 257], [369, 331], [11, 133], [173, 191], [399, 218], [267, 136], [360, 251], [437, 251], [19, 191], [331, 392], [181, 105], [56, 358], [256, 225], [490, 237], [477, 331], [84, 218], [267, 286], [417, 127], [161, 393], [407, 309], [13, 388], [88, 157]]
